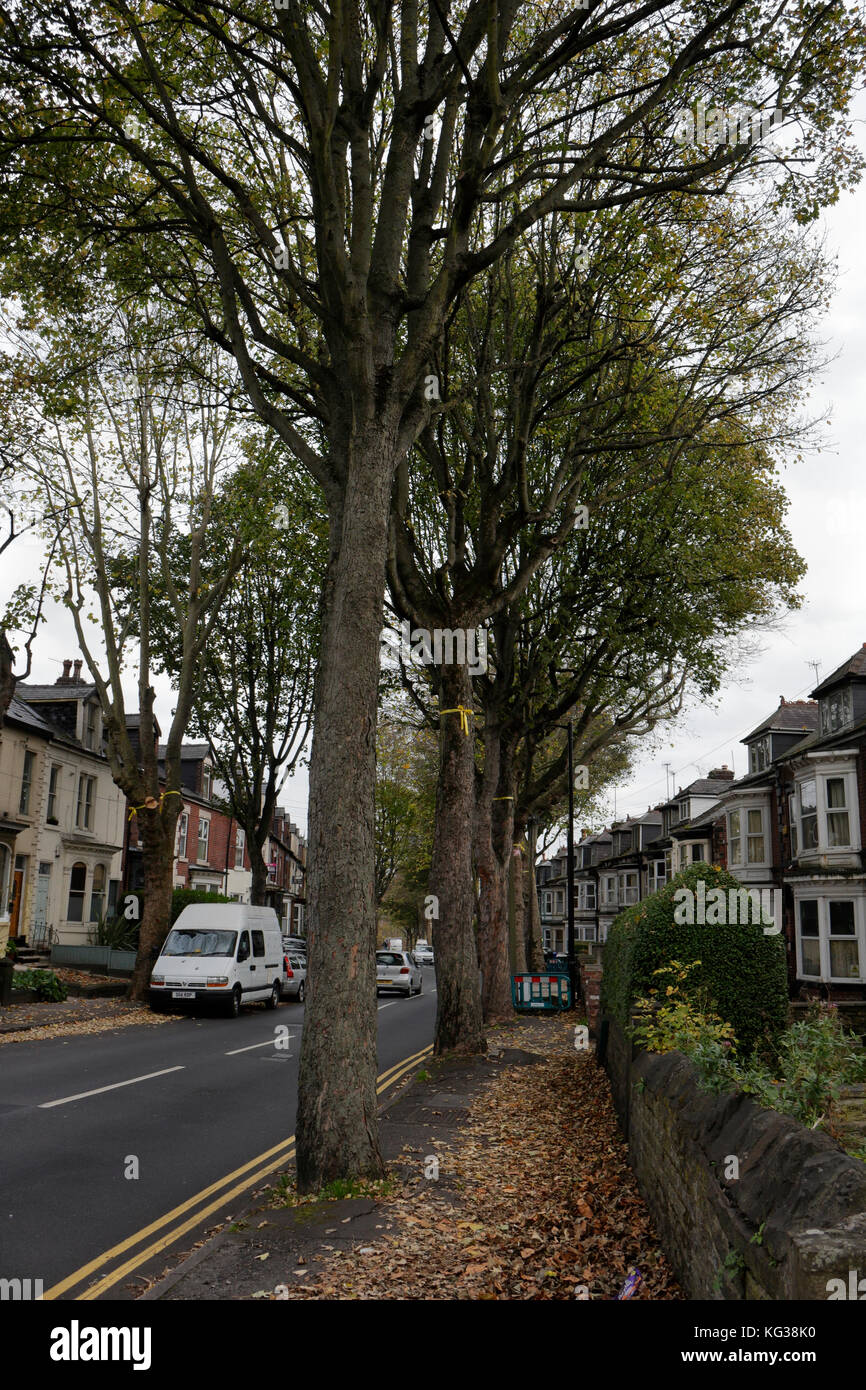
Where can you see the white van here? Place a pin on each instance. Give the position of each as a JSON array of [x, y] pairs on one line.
[[228, 952]]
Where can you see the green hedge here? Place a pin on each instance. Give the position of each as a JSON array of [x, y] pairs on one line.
[[182, 897], [742, 970]]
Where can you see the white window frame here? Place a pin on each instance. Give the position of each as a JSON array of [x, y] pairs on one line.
[[821, 772], [823, 895], [203, 823], [206, 781], [53, 779], [84, 804], [28, 779], [627, 889], [608, 890], [743, 810], [182, 834], [240, 846]]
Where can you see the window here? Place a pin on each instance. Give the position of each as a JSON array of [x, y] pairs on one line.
[[240, 839], [548, 904], [91, 727], [27, 783], [203, 838], [836, 710], [608, 891], [829, 940], [182, 833], [827, 814], [809, 814], [77, 886], [97, 893], [735, 843], [792, 824], [837, 814], [755, 836], [560, 899], [759, 755], [84, 806], [844, 951], [810, 944], [698, 854], [258, 943], [589, 896], [206, 780], [629, 888], [53, 778]]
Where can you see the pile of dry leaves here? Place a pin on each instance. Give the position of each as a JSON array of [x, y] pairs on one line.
[[535, 1198]]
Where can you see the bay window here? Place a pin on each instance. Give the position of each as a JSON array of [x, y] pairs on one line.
[[830, 938], [823, 813]]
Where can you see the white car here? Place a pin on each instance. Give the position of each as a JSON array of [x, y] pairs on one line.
[[294, 977], [424, 954], [397, 970]]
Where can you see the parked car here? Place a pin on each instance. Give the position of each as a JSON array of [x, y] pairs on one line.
[[423, 954], [397, 970], [228, 952], [294, 977], [295, 943]]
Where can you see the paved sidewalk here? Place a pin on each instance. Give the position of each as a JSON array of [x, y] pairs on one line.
[[507, 1180]]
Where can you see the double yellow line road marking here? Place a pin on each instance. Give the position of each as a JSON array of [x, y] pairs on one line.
[[177, 1222]]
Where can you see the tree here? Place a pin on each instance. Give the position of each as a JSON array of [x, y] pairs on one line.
[[253, 698], [405, 782], [270, 172], [567, 379], [125, 449]]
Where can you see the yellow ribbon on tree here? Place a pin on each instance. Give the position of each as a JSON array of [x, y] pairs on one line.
[[150, 803], [464, 711]]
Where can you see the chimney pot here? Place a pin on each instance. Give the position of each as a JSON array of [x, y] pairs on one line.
[[77, 677], [64, 679]]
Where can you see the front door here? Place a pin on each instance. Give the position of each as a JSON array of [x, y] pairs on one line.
[[15, 904], [40, 910]]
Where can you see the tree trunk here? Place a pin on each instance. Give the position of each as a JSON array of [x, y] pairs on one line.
[[534, 943], [156, 831], [518, 898], [493, 835], [259, 869], [492, 838], [458, 1000], [337, 1126]]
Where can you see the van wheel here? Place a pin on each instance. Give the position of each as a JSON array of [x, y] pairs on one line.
[[233, 1007], [302, 992], [273, 998]]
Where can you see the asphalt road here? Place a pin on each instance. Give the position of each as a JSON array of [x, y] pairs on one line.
[[205, 1097]]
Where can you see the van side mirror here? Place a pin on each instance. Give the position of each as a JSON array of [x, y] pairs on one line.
[[243, 949]]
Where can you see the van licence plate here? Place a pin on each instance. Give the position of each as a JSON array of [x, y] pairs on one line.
[[183, 994]]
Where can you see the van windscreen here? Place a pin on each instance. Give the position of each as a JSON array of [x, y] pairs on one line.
[[200, 943]]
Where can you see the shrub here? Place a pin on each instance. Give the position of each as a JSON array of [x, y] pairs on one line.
[[118, 933], [741, 970], [44, 983], [182, 897], [670, 1019]]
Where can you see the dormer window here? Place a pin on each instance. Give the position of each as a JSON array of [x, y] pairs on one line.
[[206, 780], [759, 754], [836, 710], [683, 810], [91, 727]]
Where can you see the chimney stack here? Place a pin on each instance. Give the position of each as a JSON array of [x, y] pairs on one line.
[[76, 679], [64, 679], [722, 774]]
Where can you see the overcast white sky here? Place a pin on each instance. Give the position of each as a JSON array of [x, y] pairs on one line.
[[827, 519]]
